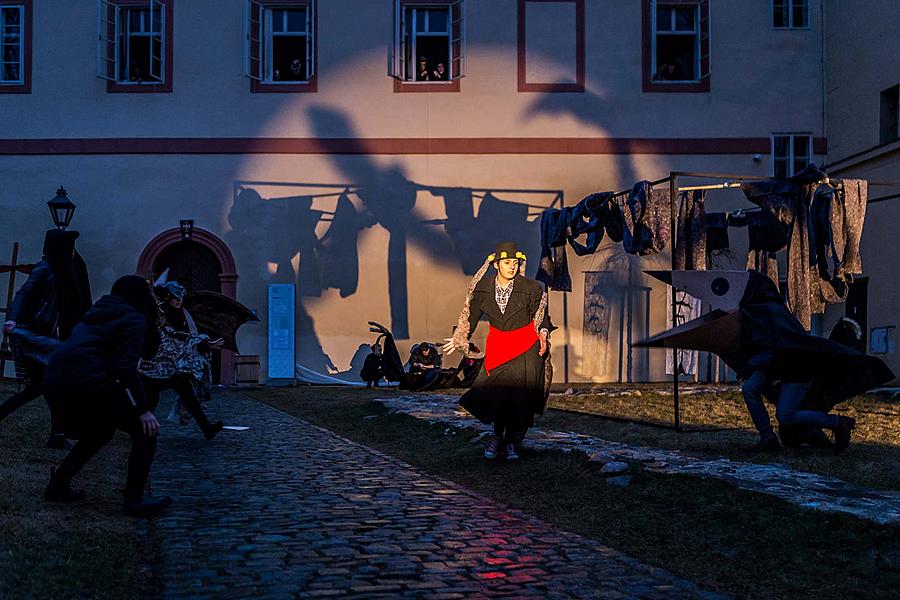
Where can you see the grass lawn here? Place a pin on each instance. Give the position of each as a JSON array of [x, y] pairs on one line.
[[872, 460], [87, 549], [737, 542]]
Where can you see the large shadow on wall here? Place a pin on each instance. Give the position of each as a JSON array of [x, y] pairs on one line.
[[290, 238]]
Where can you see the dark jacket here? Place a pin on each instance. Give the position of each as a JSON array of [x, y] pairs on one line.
[[523, 303], [102, 350], [34, 306]]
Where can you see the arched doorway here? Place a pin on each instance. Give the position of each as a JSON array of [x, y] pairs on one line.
[[202, 263]]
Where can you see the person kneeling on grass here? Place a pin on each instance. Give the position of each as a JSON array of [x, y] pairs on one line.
[[769, 373], [93, 380]]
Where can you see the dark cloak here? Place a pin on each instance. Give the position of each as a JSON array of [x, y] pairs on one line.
[[514, 392], [837, 372]]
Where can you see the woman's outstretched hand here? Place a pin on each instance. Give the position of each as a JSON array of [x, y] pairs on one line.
[[448, 347]]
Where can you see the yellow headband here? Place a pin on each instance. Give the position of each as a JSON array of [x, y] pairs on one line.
[[504, 254]]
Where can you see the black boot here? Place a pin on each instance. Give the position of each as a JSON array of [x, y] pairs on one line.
[[842, 432], [145, 506], [210, 431], [61, 491], [770, 444]]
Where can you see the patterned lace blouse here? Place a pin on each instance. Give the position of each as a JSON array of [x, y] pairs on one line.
[[501, 295]]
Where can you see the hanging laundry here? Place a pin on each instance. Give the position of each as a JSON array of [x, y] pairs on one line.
[[553, 268], [602, 206], [764, 262], [788, 201], [716, 233], [856, 198], [593, 227], [690, 238], [647, 220]]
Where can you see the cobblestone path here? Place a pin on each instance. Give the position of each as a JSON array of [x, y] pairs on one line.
[[287, 509]]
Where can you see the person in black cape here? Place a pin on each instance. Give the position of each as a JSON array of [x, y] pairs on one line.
[[93, 380], [509, 390], [50, 303]]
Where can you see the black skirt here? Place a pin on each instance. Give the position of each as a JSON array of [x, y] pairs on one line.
[[512, 394]]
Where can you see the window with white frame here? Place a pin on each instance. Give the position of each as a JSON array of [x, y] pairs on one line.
[[280, 42], [12, 44], [790, 14], [429, 41], [791, 153], [677, 42], [131, 42]]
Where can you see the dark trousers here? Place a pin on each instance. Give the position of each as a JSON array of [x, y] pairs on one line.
[[185, 390], [509, 434], [32, 390], [99, 414]]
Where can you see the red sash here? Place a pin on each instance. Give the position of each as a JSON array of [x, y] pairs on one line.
[[503, 346]]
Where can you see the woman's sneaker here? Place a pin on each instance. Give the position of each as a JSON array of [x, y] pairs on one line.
[[511, 453], [492, 448]]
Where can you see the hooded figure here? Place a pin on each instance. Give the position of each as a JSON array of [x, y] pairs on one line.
[[49, 304], [94, 382], [509, 389]]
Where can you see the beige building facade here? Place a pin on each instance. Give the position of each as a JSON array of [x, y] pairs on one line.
[[301, 141]]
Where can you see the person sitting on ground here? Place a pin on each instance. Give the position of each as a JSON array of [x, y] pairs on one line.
[[768, 372], [93, 380], [372, 371], [424, 357], [182, 362]]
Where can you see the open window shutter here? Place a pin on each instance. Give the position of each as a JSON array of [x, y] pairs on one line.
[[398, 53], [157, 40], [107, 40], [253, 40], [310, 42], [458, 39], [704, 41]]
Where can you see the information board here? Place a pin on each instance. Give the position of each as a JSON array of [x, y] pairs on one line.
[[281, 331]]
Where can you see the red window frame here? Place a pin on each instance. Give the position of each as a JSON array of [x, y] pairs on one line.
[[578, 86], [25, 86], [116, 87], [404, 87], [647, 60], [311, 85]]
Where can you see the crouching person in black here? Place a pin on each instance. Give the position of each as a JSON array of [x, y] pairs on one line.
[[93, 380]]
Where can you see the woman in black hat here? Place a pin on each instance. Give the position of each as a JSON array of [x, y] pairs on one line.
[[510, 389]]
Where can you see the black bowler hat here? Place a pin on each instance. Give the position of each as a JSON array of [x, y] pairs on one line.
[[506, 250]]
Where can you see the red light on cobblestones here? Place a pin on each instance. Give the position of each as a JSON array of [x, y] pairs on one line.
[[492, 575]]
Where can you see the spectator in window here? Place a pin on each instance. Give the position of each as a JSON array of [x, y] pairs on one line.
[[670, 71], [422, 73], [296, 72], [134, 72], [276, 76], [439, 73]]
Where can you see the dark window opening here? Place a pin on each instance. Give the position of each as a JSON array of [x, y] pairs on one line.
[[790, 14], [890, 114], [140, 47], [11, 44], [676, 58], [289, 59], [427, 45]]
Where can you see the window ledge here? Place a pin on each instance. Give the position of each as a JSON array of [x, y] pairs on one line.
[[116, 87], [15, 88], [269, 87], [402, 87], [676, 87]]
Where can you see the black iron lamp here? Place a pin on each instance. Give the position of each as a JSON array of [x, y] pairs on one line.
[[61, 208], [187, 229]]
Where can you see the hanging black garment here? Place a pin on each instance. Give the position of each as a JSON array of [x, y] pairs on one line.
[[593, 227], [647, 220], [602, 207], [553, 268], [717, 232], [690, 241]]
